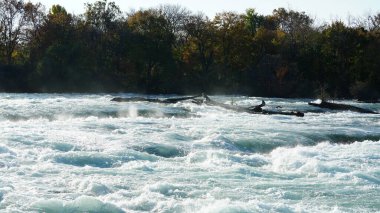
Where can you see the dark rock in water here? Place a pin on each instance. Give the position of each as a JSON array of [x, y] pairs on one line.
[[349, 139], [154, 100], [335, 106], [252, 110], [119, 99], [257, 108], [206, 100], [294, 113]]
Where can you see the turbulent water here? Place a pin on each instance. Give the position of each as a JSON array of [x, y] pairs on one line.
[[83, 153]]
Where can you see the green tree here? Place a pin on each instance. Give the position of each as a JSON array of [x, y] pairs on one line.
[[200, 49], [152, 51], [101, 32], [232, 51], [253, 21], [53, 51], [102, 15], [340, 48]]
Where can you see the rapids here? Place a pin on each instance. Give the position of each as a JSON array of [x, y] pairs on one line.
[[83, 153]]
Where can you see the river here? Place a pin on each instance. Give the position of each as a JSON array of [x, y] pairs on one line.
[[84, 153]]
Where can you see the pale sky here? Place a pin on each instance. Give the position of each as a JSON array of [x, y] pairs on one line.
[[323, 10]]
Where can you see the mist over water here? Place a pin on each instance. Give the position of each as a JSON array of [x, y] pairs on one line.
[[84, 153]]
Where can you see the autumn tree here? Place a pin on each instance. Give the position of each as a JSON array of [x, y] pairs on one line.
[[296, 25], [12, 22], [169, 49]]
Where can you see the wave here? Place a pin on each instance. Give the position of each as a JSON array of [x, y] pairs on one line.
[[81, 204], [328, 158], [161, 150], [313, 139], [266, 143], [100, 160]]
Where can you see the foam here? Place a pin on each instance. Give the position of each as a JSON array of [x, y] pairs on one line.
[[83, 153]]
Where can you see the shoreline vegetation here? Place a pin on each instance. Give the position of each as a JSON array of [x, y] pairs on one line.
[[171, 50]]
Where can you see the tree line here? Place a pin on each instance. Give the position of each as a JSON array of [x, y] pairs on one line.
[[170, 49]]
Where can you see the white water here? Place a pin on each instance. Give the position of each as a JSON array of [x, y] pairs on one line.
[[83, 153]]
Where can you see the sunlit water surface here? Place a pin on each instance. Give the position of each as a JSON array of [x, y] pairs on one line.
[[83, 153]]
